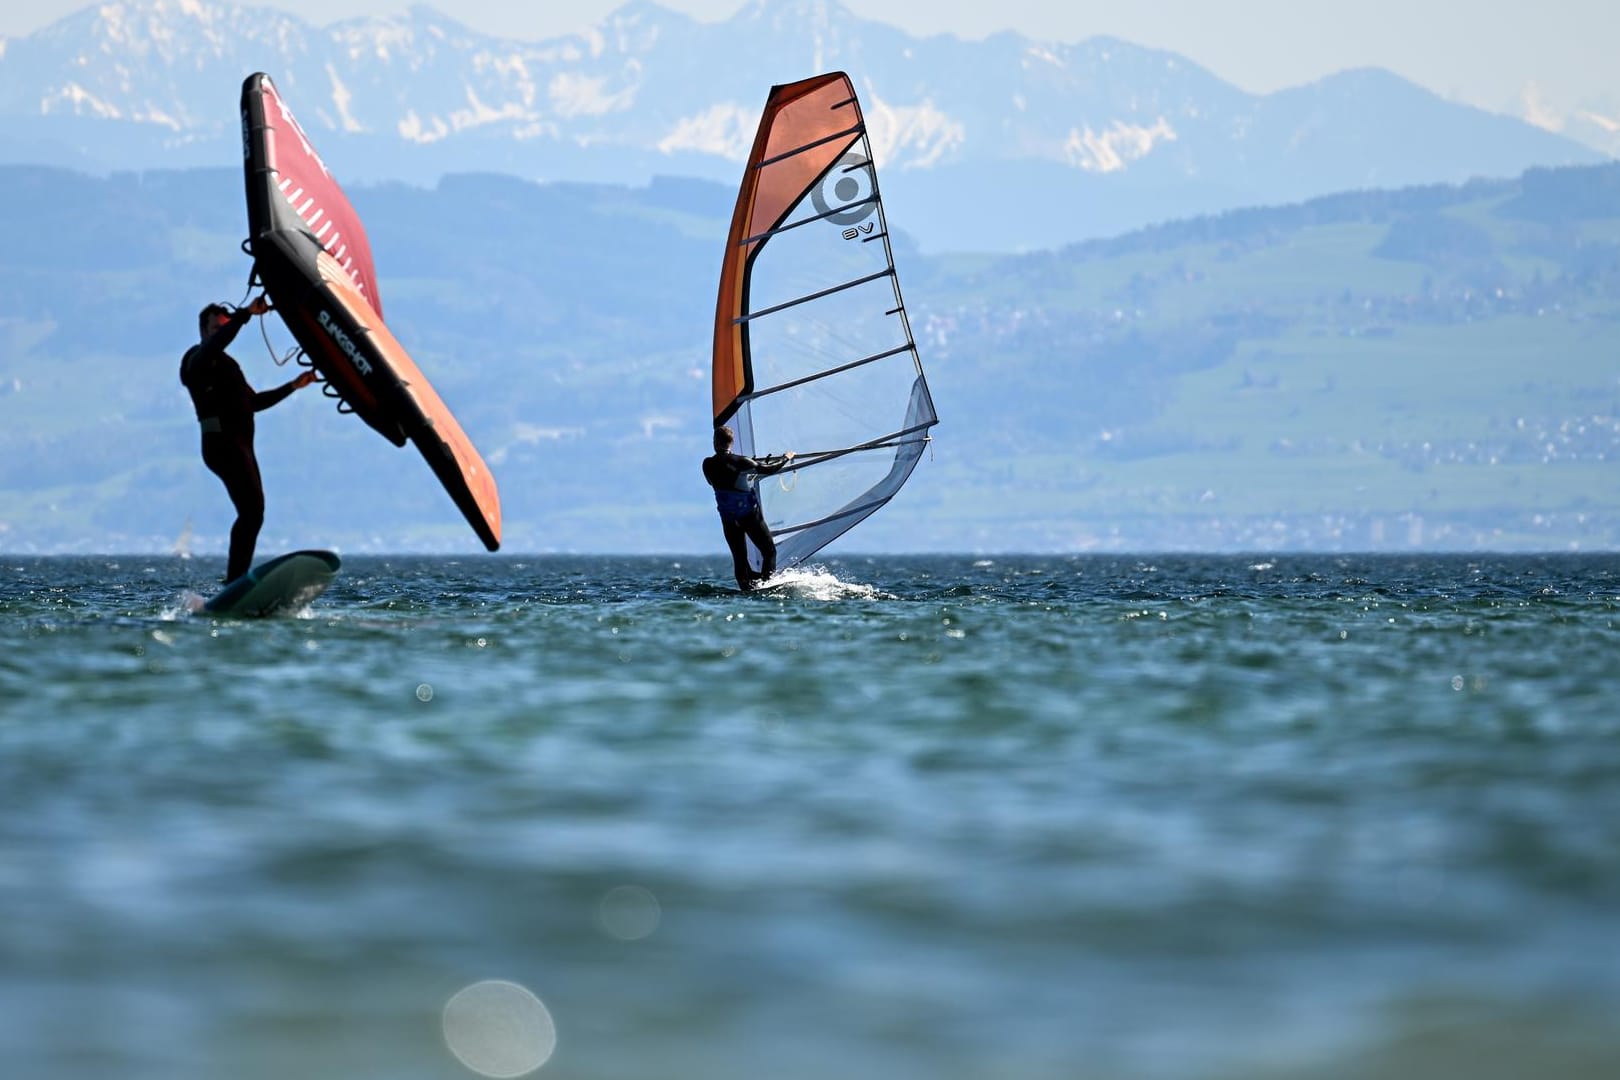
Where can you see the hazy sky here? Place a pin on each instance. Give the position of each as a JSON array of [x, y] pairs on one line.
[[1485, 52]]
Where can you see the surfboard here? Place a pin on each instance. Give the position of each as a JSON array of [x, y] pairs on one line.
[[284, 584]]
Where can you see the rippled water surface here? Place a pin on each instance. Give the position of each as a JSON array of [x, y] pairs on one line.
[[928, 818]]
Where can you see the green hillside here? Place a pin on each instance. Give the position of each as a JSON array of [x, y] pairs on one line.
[[1433, 367], [1439, 366]]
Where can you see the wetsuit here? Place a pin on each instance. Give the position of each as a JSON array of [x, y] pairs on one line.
[[225, 405], [742, 519]]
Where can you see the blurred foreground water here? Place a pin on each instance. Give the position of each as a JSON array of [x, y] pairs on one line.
[[929, 818]]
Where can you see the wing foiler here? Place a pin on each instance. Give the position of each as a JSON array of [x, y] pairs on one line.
[[311, 253], [812, 348]]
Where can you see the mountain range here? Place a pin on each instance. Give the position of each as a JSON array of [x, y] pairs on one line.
[[1001, 144], [1147, 324]]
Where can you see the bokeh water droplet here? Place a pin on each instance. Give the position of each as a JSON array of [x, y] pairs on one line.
[[498, 1028], [629, 913]]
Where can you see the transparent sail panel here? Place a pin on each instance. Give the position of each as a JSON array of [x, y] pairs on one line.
[[837, 333], [815, 254], [830, 492]]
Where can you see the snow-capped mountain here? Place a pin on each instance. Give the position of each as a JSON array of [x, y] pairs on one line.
[[1594, 120], [980, 130]]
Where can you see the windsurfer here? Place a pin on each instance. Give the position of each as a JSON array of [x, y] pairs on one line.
[[734, 478], [225, 405]]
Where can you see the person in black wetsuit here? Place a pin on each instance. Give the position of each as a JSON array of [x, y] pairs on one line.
[[734, 479], [225, 405]]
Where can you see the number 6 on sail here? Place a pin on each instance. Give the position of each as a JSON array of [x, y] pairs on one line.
[[812, 348]]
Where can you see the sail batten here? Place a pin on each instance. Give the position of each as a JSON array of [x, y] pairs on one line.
[[797, 150], [779, 387], [863, 509], [834, 212], [812, 346], [824, 293]]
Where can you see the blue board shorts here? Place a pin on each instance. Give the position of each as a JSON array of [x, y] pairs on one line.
[[735, 505]]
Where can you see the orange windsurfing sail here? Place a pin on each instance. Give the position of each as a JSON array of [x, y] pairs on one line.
[[312, 254], [813, 350]]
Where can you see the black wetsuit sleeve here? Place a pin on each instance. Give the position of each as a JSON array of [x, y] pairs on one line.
[[221, 339], [205, 356], [766, 466], [722, 470], [266, 398]]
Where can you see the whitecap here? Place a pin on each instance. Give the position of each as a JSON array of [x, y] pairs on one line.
[[819, 583]]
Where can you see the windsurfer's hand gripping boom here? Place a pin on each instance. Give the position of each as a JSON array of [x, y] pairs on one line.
[[775, 462]]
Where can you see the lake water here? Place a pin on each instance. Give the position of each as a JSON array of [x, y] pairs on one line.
[[932, 818]]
